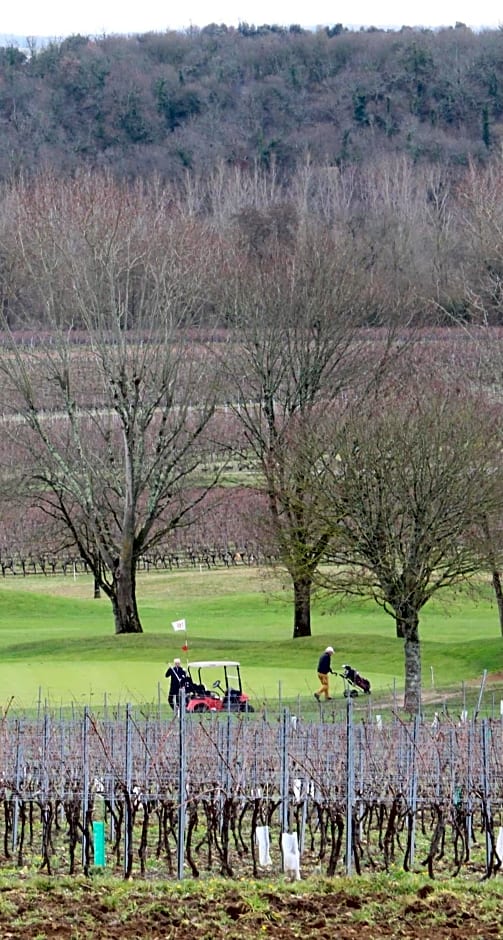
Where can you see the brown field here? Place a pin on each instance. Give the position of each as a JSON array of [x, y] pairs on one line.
[[350, 910]]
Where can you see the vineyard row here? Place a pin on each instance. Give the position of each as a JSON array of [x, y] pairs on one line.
[[189, 795], [48, 564]]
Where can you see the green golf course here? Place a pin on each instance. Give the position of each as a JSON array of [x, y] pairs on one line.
[[57, 644]]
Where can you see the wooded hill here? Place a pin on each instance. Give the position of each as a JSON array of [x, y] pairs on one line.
[[165, 102]]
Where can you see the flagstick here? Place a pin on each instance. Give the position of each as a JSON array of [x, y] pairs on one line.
[[180, 626]]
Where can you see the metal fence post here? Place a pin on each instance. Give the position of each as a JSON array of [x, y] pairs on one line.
[[85, 786], [182, 774], [350, 784], [487, 795], [112, 785], [481, 692], [469, 783], [19, 752], [127, 802], [413, 793], [284, 782], [361, 781]]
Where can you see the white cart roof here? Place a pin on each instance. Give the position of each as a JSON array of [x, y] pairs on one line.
[[212, 663]]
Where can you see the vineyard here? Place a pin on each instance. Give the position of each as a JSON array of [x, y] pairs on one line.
[[184, 796], [224, 535], [163, 558]]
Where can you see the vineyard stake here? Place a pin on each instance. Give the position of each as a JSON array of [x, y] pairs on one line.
[[350, 784], [413, 793], [15, 820], [481, 692], [85, 786], [469, 802], [181, 785], [284, 774], [486, 792], [128, 848]]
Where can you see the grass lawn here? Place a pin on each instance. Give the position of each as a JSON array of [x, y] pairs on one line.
[[57, 643]]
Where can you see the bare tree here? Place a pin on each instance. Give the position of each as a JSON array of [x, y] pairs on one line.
[[491, 548], [480, 218], [300, 308], [406, 487], [480, 212], [110, 382]]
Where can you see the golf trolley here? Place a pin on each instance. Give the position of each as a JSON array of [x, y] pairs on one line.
[[354, 683]]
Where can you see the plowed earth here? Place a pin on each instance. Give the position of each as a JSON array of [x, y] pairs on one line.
[[71, 909]]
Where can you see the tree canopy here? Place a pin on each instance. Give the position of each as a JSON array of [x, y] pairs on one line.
[[115, 393], [168, 102], [405, 487]]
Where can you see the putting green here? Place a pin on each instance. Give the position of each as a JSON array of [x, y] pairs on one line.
[[57, 644]]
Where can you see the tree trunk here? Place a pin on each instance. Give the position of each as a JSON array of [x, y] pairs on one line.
[[97, 589], [126, 615], [123, 598], [98, 577], [302, 607], [498, 590], [408, 624]]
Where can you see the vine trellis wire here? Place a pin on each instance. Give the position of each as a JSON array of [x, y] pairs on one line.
[[186, 795]]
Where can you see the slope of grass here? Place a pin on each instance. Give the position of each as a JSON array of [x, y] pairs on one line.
[[57, 643]]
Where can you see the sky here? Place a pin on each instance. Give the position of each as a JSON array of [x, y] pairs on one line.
[[59, 18]]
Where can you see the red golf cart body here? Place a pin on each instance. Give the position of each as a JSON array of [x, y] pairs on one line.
[[226, 697]]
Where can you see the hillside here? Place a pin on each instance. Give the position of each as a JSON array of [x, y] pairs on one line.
[[169, 102]]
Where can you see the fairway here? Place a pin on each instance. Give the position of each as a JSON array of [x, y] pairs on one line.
[[58, 647]]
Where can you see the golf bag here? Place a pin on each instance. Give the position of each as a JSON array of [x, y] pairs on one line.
[[355, 681]]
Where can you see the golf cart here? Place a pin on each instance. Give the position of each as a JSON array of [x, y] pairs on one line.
[[228, 697]]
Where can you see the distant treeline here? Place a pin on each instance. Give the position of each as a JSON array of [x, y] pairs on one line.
[[167, 102]]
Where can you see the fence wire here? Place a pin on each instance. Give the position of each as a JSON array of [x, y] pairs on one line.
[[187, 795]]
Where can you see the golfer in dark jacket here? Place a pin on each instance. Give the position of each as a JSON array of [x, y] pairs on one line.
[[177, 677], [324, 669]]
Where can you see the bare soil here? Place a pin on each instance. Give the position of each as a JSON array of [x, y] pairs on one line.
[[80, 911]]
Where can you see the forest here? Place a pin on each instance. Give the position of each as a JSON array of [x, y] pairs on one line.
[[265, 95]]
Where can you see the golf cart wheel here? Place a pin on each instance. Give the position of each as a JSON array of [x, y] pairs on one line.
[[346, 693], [354, 693], [246, 707], [201, 707]]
